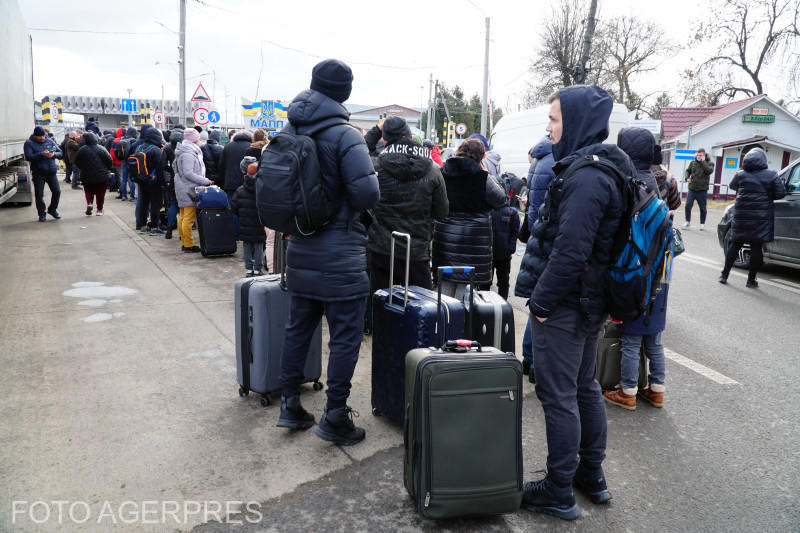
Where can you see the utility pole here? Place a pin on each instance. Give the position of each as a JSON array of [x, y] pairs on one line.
[[430, 108], [580, 69], [163, 111], [449, 120], [182, 64], [485, 106], [433, 111]]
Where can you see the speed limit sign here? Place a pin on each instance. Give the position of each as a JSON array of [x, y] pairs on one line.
[[461, 129], [200, 116], [158, 117]]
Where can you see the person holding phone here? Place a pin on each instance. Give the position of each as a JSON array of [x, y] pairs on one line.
[[41, 151], [697, 175]]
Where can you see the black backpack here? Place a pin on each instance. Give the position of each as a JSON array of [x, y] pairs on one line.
[[122, 149], [137, 165], [289, 194]]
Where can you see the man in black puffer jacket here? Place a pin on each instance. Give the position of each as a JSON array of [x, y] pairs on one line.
[[568, 250], [327, 271], [413, 195], [753, 214]]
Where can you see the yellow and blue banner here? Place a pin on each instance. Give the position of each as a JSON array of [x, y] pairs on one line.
[[268, 114]]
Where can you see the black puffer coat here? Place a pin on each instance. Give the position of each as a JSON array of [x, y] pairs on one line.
[[757, 188], [413, 195], [464, 238], [331, 265], [571, 241], [640, 145], [93, 160], [212, 156], [243, 205], [230, 175]]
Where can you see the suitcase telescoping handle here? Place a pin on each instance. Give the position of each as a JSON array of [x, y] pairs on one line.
[[447, 270], [283, 242], [407, 237]]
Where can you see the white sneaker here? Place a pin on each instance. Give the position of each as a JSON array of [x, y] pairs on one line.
[[685, 224], [99, 213], [702, 227]]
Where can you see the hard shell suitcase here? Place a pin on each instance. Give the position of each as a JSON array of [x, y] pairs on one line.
[[609, 355], [491, 321], [463, 431], [403, 319], [262, 308], [215, 227]]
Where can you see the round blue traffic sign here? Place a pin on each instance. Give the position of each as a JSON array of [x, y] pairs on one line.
[[213, 117]]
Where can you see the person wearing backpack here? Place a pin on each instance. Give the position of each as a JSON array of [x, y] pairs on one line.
[[117, 153], [505, 228], [149, 178], [327, 270], [566, 255], [95, 163], [175, 138], [189, 173], [667, 185], [640, 145], [127, 184]]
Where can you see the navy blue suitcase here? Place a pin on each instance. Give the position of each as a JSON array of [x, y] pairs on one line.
[[404, 319]]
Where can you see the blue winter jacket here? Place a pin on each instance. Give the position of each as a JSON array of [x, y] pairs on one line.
[[571, 240], [331, 264], [39, 163], [539, 177]]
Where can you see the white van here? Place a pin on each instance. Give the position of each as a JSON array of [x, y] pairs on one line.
[[515, 134]]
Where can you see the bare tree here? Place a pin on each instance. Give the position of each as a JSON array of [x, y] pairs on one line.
[[749, 35]]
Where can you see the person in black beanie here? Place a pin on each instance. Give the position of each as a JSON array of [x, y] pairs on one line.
[[326, 272]]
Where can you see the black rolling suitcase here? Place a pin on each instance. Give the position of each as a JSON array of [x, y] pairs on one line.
[[490, 321], [216, 230]]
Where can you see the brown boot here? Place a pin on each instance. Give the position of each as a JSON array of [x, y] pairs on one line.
[[619, 398], [656, 399]]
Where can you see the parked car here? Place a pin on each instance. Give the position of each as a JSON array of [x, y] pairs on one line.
[[785, 249]]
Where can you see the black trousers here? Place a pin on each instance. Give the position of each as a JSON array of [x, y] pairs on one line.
[[756, 257], [701, 197], [150, 196], [503, 269], [39, 181]]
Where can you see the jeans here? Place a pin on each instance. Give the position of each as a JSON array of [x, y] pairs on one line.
[[701, 197], [629, 365], [186, 218], [235, 217], [38, 189], [69, 170], [76, 176], [527, 346], [253, 255], [345, 326], [127, 184], [756, 258], [574, 410], [172, 214]]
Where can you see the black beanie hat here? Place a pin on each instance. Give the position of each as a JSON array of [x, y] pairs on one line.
[[394, 129], [38, 131], [658, 157], [332, 78]]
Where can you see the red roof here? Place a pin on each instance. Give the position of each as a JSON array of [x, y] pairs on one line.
[[676, 120]]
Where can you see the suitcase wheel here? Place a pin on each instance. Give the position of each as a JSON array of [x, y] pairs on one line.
[[317, 385], [375, 412], [265, 401], [243, 392]]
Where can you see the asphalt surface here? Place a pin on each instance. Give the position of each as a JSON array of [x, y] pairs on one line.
[[139, 404]]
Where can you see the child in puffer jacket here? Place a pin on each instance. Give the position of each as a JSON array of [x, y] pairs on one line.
[[251, 231]]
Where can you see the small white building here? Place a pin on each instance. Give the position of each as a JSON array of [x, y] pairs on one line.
[[727, 132]]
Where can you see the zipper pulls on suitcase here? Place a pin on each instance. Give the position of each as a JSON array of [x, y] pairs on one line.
[[427, 499]]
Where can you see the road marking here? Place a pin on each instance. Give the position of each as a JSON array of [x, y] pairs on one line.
[[703, 370], [780, 284]]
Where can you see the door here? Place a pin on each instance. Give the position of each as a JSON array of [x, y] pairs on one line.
[[787, 219], [717, 177]]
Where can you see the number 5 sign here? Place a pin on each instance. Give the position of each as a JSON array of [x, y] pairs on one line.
[[200, 116]]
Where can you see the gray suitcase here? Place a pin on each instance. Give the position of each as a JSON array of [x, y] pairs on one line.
[[262, 308]]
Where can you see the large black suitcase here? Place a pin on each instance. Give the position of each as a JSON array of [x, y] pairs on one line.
[[491, 321], [609, 357], [405, 318], [217, 234]]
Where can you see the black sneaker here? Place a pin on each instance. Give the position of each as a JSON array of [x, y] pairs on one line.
[[593, 483], [532, 376], [723, 279], [546, 497], [53, 213], [190, 249], [168, 234], [337, 426], [293, 415], [526, 367], [751, 284]]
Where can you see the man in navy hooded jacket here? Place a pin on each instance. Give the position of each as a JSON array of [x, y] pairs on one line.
[[327, 271], [568, 250]]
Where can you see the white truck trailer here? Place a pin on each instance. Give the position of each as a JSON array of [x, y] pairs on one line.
[[17, 118]]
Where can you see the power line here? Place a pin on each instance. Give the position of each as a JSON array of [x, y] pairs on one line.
[[101, 32]]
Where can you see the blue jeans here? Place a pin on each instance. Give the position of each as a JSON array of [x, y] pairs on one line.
[[127, 184], [253, 255], [235, 217], [629, 366], [527, 345], [172, 214], [701, 197]]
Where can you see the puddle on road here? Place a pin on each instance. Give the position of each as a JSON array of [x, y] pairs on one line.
[[97, 294], [93, 303], [118, 314], [98, 317]]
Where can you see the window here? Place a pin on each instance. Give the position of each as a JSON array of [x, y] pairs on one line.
[[793, 186]]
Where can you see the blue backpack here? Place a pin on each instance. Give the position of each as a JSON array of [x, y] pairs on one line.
[[640, 252]]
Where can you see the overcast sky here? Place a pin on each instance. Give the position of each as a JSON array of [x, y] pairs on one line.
[[393, 47]]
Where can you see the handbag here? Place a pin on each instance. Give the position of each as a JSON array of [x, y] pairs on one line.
[[524, 230], [677, 243]]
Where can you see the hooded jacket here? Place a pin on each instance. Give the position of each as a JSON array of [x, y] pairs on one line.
[[189, 171], [229, 176], [571, 240], [243, 205], [492, 162], [464, 237], [640, 145], [92, 126], [505, 219], [756, 188], [412, 196], [155, 156], [94, 161], [212, 156], [540, 175], [331, 264], [120, 134], [39, 163]]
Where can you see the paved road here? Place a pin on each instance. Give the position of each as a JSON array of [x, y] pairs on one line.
[[119, 386]]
